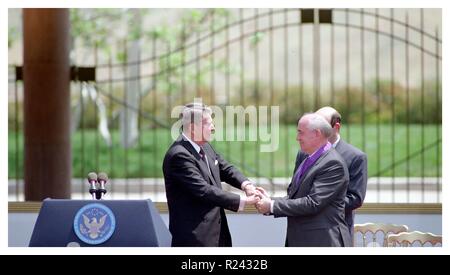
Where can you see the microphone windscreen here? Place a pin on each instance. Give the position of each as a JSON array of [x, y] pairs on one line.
[[102, 176], [92, 176]]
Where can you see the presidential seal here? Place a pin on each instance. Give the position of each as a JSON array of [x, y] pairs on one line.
[[94, 223]]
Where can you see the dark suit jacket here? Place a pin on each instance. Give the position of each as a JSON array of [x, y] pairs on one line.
[[356, 162], [195, 198], [315, 205]]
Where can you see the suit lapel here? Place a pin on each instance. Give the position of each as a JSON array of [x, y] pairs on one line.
[[203, 166], [298, 185], [298, 162], [212, 165], [293, 184]]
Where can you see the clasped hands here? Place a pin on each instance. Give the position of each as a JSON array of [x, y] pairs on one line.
[[258, 197]]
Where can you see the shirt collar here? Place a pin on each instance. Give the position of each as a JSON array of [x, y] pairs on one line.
[[337, 141], [195, 145]]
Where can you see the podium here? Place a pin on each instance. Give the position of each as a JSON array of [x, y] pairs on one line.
[[103, 223]]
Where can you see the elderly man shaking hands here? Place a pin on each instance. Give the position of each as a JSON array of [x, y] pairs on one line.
[[315, 203]]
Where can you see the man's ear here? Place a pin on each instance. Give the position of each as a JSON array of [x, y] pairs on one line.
[[337, 126]]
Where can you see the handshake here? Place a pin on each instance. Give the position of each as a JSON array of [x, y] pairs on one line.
[[258, 197]]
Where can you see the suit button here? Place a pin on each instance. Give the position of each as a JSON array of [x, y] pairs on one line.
[[219, 221]]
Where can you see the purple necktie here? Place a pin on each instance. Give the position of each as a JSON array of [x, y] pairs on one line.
[[308, 162]]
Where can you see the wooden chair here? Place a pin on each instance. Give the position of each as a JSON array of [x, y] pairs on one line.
[[374, 228], [407, 239]]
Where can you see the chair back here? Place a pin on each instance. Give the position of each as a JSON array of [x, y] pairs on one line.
[[407, 239], [370, 231]]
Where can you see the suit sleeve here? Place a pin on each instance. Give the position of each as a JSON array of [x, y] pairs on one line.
[[358, 183], [229, 173], [188, 176], [327, 184]]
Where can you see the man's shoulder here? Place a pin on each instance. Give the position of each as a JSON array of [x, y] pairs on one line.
[[347, 148], [333, 159], [176, 148], [334, 155]]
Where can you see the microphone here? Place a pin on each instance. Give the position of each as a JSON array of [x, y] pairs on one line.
[[92, 179], [102, 179]]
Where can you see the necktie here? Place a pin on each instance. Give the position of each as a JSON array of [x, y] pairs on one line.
[[202, 153], [203, 157], [308, 162]]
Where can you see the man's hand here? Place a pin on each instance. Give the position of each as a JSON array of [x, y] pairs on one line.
[[263, 205], [249, 189], [263, 193], [251, 200]]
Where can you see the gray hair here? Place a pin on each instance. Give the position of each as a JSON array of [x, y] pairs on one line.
[[318, 122], [194, 113]]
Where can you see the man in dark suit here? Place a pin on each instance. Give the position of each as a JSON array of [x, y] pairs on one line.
[[356, 162], [314, 206], [193, 173]]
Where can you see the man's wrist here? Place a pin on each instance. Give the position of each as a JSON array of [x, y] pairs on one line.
[[245, 183], [242, 201]]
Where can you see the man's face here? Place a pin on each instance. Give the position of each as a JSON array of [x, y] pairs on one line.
[[207, 128], [306, 138], [203, 131]]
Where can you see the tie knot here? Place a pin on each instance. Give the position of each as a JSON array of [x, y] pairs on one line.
[[201, 153]]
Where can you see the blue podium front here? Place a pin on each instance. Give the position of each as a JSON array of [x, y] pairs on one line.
[[114, 223]]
